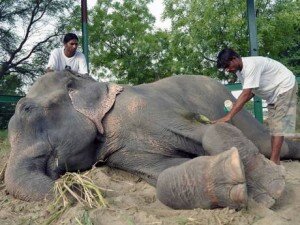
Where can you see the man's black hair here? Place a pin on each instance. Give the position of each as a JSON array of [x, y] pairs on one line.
[[69, 36], [225, 56]]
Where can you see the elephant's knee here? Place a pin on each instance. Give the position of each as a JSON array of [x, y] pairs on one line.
[[220, 137]]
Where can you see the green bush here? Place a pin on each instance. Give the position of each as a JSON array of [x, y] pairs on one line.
[[3, 135], [6, 112], [4, 144]]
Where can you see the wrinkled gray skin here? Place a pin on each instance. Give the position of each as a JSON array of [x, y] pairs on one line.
[[68, 122]]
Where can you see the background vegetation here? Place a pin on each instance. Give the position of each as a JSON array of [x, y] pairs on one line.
[[28, 32], [134, 52], [4, 144], [125, 46]]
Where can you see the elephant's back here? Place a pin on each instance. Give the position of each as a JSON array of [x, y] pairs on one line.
[[183, 93], [181, 85], [193, 83], [193, 92]]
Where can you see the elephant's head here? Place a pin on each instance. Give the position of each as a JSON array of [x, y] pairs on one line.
[[55, 129]]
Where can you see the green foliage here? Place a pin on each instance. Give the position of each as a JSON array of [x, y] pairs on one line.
[[249, 106], [7, 110], [201, 28], [124, 45], [4, 144], [85, 220], [11, 85], [28, 32], [3, 135], [278, 31]]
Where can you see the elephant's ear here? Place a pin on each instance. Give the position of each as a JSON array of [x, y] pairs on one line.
[[94, 100]]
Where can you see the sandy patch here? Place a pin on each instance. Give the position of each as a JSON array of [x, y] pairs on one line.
[[133, 201]]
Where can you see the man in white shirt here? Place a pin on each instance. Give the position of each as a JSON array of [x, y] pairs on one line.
[[274, 83], [67, 57]]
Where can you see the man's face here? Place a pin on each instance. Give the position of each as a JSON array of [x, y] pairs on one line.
[[234, 65], [70, 47]]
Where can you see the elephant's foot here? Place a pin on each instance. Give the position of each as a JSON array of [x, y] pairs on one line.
[[265, 180], [205, 182]]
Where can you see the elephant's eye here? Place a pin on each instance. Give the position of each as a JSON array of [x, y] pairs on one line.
[[27, 108]]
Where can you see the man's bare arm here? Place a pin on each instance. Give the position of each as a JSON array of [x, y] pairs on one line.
[[244, 97]]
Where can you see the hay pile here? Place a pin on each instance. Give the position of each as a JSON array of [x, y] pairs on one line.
[[73, 188]]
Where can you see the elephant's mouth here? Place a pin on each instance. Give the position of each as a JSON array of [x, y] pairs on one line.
[[52, 162]]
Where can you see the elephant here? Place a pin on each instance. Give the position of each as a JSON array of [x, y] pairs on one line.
[[70, 122]]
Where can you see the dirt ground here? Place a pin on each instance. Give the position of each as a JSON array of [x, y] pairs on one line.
[[132, 201]]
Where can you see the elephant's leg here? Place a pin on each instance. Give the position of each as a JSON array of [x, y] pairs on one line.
[[205, 182], [265, 179]]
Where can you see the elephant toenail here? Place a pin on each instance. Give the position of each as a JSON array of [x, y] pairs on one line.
[[238, 194]]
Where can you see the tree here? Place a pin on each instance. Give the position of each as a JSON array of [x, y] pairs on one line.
[[278, 31], [123, 43], [201, 28], [28, 31]]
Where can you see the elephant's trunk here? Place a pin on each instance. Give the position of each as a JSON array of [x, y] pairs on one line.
[[25, 175]]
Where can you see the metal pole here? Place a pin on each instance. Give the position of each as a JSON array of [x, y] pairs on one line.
[[258, 112], [85, 42], [252, 28]]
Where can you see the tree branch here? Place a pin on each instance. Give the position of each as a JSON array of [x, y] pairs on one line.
[[43, 12], [34, 12], [34, 48]]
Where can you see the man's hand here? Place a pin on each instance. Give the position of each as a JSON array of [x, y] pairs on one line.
[[224, 119], [244, 97]]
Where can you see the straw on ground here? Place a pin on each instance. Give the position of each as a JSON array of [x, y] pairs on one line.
[[78, 187]]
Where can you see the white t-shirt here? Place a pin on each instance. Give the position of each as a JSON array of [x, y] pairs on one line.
[[267, 77], [59, 61]]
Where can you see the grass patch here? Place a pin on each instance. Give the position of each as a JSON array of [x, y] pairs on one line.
[[85, 220], [3, 134], [4, 143], [56, 214], [4, 149]]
